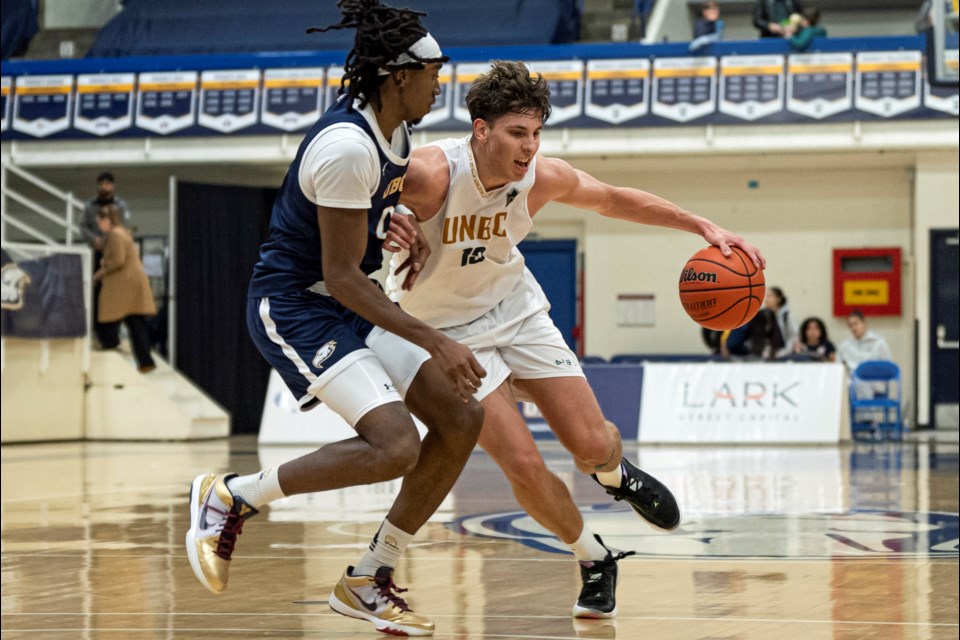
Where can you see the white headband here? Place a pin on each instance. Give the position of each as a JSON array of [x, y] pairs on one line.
[[426, 48]]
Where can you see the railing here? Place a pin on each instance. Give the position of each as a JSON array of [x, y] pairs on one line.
[[64, 221]]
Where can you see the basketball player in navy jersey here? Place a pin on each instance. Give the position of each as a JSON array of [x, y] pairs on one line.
[[336, 338], [475, 198]]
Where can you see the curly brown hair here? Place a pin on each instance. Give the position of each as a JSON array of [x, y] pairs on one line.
[[507, 88]]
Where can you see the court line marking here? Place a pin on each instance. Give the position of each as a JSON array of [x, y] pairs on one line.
[[506, 617], [105, 553]]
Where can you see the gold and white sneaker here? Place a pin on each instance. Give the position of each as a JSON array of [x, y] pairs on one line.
[[375, 599], [216, 519]]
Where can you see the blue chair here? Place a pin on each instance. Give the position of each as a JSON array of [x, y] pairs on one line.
[[875, 397], [593, 360]]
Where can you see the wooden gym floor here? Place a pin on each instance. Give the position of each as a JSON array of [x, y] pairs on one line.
[[780, 543]]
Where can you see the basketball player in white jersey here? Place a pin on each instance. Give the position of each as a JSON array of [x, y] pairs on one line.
[[475, 199]]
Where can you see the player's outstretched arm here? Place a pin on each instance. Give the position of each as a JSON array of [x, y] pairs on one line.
[[557, 180]]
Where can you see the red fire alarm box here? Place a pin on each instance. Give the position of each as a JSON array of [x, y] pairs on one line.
[[868, 280]]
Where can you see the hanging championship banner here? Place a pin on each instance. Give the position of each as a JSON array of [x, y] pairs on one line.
[[565, 79], [42, 104], [943, 98], [292, 98], [334, 76], [104, 103], [751, 87], [820, 85], [464, 76], [617, 90], [167, 102], [228, 99], [684, 89], [5, 85], [443, 106], [888, 82]]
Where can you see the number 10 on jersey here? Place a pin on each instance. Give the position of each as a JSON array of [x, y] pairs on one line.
[[472, 255]]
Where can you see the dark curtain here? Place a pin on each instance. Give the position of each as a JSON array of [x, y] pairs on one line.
[[219, 231]]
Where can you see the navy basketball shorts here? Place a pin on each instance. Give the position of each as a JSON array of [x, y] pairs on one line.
[[326, 353]]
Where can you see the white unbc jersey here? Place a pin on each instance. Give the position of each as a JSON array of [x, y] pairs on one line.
[[474, 261]]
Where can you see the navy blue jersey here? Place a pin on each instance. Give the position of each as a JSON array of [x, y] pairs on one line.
[[290, 259]]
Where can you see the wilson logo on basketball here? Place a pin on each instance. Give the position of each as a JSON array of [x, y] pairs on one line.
[[692, 275]]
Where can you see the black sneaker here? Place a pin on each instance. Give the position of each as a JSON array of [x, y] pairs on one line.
[[598, 597], [648, 496]]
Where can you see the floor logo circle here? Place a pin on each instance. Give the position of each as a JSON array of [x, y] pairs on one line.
[[799, 536]]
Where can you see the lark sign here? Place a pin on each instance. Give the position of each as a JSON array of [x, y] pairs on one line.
[[741, 402]]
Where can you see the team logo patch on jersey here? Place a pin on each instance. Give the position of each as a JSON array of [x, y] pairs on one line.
[[323, 353], [511, 196]]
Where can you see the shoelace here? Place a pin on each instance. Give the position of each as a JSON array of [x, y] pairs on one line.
[[387, 587], [648, 496], [606, 564], [232, 527]]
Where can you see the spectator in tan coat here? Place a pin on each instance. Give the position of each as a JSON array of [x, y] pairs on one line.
[[125, 294]]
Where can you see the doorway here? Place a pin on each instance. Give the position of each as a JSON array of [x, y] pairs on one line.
[[945, 328]]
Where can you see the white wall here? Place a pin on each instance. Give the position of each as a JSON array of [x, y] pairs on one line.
[[796, 216], [936, 202], [805, 204]]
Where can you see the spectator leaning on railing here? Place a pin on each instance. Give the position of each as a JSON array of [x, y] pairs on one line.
[[708, 28], [771, 17], [804, 27]]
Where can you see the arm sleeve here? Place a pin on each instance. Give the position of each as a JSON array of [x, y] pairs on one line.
[[124, 209], [802, 40], [760, 20], [884, 351], [88, 225], [340, 168]]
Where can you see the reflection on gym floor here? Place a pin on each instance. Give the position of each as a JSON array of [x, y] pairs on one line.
[[857, 541]]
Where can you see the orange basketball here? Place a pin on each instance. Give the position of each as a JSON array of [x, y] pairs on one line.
[[721, 293]]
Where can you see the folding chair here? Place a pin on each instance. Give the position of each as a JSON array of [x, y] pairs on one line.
[[875, 397]]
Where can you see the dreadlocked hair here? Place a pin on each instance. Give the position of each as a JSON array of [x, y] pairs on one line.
[[507, 88], [383, 33]]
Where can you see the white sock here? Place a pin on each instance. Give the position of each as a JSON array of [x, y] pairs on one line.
[[387, 546], [611, 478], [257, 489], [587, 547]]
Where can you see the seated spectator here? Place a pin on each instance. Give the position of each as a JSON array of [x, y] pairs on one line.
[[125, 294], [708, 28], [759, 338], [771, 17], [776, 301], [814, 342], [804, 28], [863, 345]]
